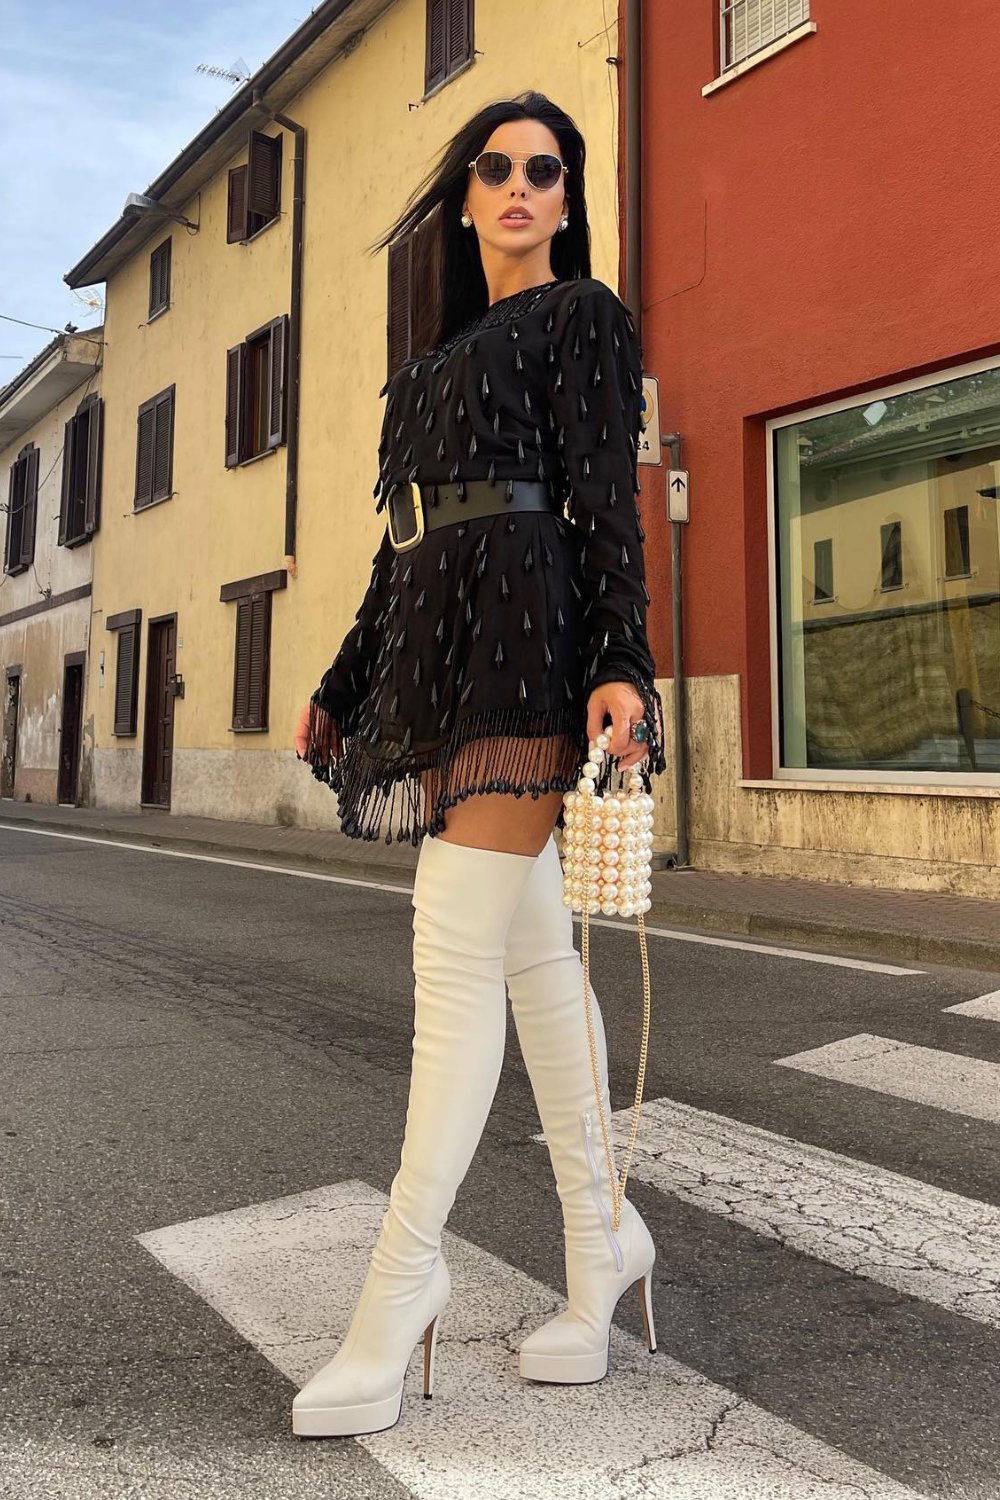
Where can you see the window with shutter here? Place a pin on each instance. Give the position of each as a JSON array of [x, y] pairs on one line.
[[127, 627], [255, 189], [256, 395], [398, 300], [159, 279], [449, 45], [83, 445], [126, 682], [236, 216], [154, 449], [414, 282], [749, 25], [250, 681], [22, 505]]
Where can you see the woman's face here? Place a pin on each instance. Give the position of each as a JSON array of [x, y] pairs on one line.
[[487, 205]]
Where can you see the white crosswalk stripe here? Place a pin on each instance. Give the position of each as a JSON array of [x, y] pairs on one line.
[[905, 1234], [923, 1075], [287, 1273], [986, 1007]]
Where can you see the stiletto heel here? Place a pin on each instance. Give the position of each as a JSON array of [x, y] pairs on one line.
[[430, 1345], [646, 1300]]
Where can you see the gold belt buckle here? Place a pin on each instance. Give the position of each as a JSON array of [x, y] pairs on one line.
[[418, 513]]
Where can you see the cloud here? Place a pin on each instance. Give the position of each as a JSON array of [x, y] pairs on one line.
[[95, 101]]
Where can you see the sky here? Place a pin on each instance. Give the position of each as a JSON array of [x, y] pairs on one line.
[[95, 100]]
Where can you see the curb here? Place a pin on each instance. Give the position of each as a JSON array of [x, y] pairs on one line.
[[767, 927]]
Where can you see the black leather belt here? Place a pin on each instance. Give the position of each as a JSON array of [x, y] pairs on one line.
[[416, 508]]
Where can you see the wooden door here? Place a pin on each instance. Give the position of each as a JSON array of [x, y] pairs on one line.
[[158, 739], [8, 734], [70, 729]]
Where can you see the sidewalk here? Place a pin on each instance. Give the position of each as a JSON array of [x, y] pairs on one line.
[[895, 925]]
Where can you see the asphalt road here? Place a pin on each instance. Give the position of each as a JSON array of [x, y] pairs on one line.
[[201, 1063]]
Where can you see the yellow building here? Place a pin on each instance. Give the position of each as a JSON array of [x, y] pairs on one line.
[[247, 342], [50, 469]]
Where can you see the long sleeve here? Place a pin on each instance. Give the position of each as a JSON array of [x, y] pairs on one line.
[[596, 400], [345, 683]]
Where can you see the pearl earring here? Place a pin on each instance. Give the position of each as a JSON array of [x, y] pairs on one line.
[[466, 220]]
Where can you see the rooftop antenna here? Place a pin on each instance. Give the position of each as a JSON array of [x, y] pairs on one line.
[[237, 73]]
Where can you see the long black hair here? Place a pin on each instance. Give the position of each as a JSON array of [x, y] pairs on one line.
[[449, 279]]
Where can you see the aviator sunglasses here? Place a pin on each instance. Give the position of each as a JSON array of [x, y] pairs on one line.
[[494, 167]]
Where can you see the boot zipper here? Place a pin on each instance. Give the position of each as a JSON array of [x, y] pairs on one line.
[[606, 1217]]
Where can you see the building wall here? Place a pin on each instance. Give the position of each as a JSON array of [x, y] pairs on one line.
[[223, 525], [40, 642], [804, 242]]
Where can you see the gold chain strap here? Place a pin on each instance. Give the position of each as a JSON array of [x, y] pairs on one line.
[[617, 1186]]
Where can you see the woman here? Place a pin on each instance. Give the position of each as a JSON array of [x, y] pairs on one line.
[[496, 637]]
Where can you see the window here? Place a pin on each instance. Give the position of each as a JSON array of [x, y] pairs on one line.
[[80, 505], [255, 392], [823, 571], [252, 656], [255, 188], [412, 293], [22, 506], [749, 25], [127, 627], [898, 674], [449, 40], [892, 555], [154, 459], [159, 279], [957, 558]]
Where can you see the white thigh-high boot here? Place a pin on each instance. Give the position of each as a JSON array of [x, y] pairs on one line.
[[544, 976], [463, 899]]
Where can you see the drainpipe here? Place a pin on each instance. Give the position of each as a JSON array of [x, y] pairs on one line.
[[294, 328], [632, 116]]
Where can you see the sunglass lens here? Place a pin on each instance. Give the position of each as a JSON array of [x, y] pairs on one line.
[[543, 171], [494, 167]]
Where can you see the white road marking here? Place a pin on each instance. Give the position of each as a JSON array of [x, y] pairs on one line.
[[895, 1230], [923, 1075], [286, 1274], [772, 952], [671, 934], [987, 1007]]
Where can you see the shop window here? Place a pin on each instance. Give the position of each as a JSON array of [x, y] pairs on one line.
[[897, 671]]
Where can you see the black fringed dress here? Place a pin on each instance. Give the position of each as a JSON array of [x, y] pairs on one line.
[[472, 655]]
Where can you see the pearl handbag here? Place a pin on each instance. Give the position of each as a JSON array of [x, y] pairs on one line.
[[607, 848]]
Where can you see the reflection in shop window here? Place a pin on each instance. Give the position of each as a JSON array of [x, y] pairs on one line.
[[900, 670]]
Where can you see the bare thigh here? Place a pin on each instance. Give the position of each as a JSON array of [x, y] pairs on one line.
[[497, 820]]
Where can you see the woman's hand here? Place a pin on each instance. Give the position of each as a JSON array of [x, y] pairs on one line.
[[325, 738], [622, 703]]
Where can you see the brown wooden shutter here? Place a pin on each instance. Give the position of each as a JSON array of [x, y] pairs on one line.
[[436, 50], [459, 32], [146, 427], [252, 667], [29, 507], [163, 444], [237, 211], [159, 278], [264, 174], [67, 473], [11, 540], [277, 374], [95, 449], [235, 364], [127, 680], [398, 328]]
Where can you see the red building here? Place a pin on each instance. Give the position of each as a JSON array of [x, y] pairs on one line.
[[821, 306]]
